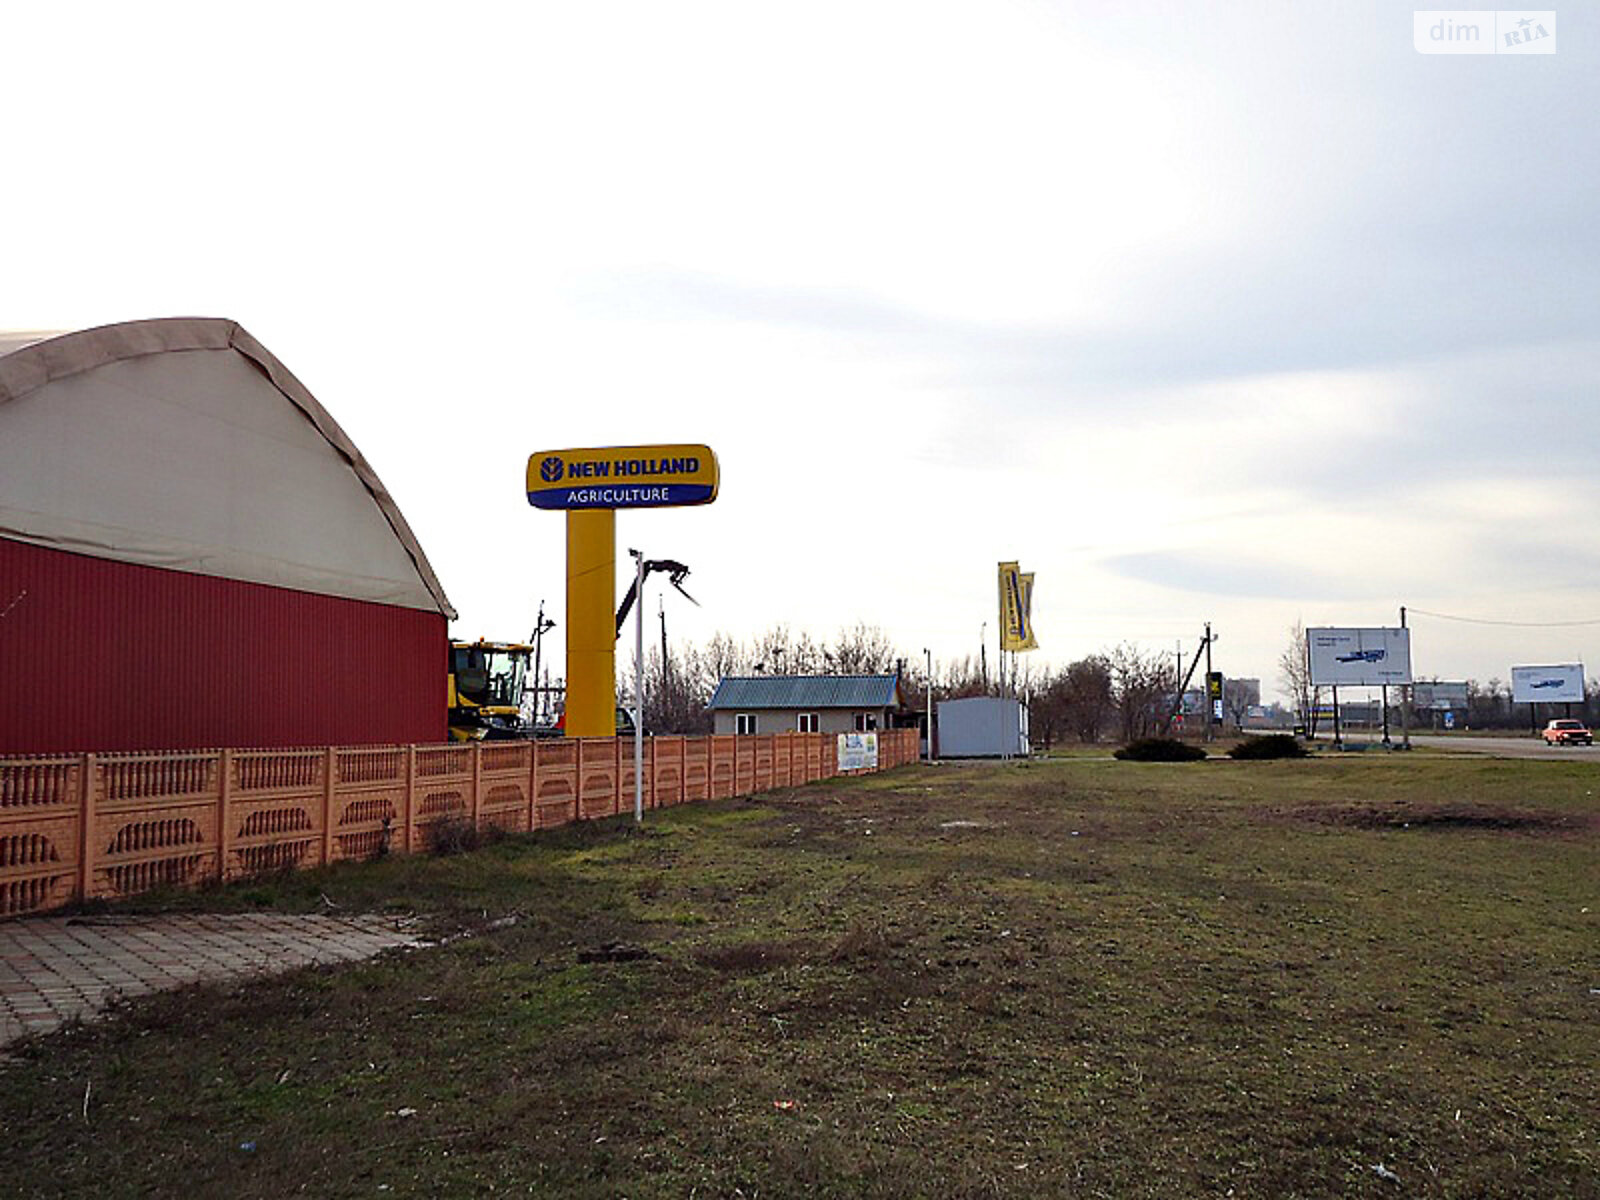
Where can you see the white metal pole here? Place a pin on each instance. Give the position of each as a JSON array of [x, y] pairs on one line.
[[638, 687]]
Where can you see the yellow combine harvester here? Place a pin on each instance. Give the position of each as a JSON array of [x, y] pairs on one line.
[[485, 685], [486, 680]]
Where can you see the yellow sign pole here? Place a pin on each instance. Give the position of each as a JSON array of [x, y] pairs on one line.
[[591, 622]]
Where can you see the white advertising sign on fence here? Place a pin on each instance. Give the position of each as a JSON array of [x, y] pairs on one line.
[[858, 752], [1560, 683], [1359, 657]]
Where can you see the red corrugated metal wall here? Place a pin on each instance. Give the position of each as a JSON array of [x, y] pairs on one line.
[[102, 655]]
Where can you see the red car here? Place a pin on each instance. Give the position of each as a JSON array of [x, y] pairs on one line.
[[1567, 733]]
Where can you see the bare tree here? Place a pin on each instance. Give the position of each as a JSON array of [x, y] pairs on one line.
[[1089, 698], [1047, 714], [676, 696], [1294, 673], [770, 652], [862, 650], [962, 678], [1075, 700], [721, 657], [1142, 686], [1489, 704], [1239, 696], [805, 656]]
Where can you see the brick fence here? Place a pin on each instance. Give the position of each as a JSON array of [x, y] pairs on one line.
[[77, 827]]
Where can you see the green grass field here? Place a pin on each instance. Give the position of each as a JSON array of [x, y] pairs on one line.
[[1071, 978]]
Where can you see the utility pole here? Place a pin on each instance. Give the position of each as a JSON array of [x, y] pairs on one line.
[[1183, 679], [1211, 706], [1177, 675], [541, 625], [666, 674], [1405, 707]]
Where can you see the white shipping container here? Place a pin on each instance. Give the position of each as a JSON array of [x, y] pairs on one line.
[[982, 727]]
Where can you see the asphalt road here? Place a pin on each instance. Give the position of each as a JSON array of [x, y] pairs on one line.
[[1507, 747]]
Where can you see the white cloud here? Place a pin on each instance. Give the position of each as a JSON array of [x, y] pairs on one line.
[[1243, 315]]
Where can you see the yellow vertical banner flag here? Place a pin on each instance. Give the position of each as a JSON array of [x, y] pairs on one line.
[[1016, 631], [1029, 643]]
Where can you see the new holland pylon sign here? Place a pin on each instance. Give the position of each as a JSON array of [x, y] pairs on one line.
[[623, 477], [589, 486]]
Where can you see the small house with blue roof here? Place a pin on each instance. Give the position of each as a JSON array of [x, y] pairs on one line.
[[808, 704]]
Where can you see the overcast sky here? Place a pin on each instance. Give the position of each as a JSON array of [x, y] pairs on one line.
[[1242, 313]]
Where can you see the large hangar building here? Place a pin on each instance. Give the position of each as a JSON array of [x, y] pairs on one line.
[[194, 554]]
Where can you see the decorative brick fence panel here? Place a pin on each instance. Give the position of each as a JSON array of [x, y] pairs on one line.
[[41, 832], [272, 812], [76, 827], [153, 820], [555, 783]]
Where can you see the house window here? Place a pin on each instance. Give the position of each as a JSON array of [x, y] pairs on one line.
[[866, 722], [744, 722], [808, 722]]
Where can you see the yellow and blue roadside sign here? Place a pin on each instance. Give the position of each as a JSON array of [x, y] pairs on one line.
[[623, 477]]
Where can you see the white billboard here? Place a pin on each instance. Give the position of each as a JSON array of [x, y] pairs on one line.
[[1359, 657], [1560, 683]]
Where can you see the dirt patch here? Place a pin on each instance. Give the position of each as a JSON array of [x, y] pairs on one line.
[[1446, 818], [614, 952], [744, 957]]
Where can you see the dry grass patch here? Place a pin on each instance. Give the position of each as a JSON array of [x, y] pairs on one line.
[[1077, 978]]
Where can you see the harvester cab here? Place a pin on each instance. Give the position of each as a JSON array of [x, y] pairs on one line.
[[485, 686]]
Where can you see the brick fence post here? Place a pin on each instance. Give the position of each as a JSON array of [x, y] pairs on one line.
[[330, 763], [577, 784], [409, 801], [477, 784], [533, 786], [88, 767], [224, 824]]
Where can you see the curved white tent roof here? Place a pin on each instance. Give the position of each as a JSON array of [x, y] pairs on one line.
[[183, 443], [16, 339]]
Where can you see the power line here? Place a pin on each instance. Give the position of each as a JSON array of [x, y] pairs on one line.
[[1489, 621]]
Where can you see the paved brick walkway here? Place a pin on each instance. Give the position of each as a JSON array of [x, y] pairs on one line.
[[55, 968]]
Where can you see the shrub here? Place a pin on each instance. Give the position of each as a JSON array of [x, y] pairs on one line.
[[453, 835], [1160, 750], [1272, 745]]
